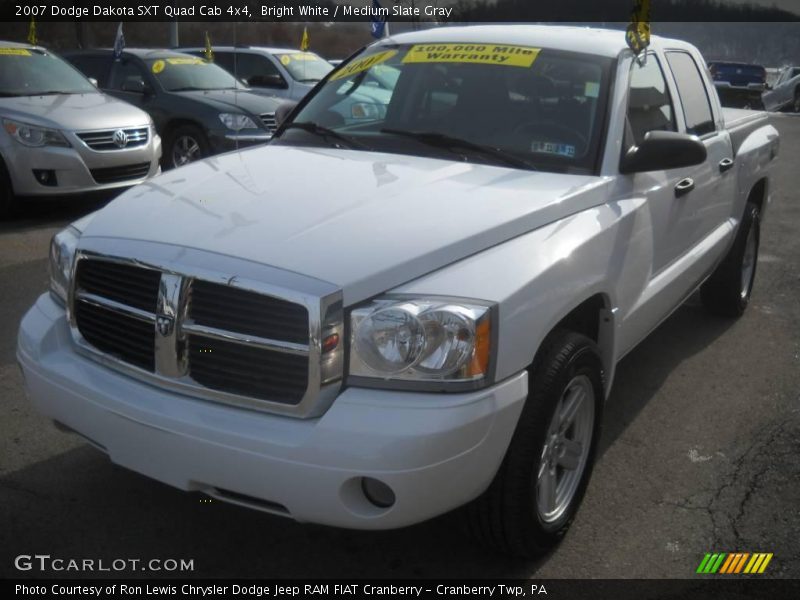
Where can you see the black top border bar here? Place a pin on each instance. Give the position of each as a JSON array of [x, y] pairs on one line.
[[434, 11]]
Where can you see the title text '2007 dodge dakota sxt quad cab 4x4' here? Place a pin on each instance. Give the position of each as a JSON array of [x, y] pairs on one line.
[[368, 324]]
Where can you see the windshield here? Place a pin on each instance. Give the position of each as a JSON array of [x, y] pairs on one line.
[[305, 66], [30, 72], [472, 102], [178, 74]]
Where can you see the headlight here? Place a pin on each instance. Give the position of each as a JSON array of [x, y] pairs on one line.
[[421, 340], [34, 136], [62, 252], [237, 122]]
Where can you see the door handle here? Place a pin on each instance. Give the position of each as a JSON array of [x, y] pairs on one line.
[[726, 164], [684, 186]]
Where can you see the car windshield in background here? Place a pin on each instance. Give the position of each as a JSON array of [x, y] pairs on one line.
[[305, 66], [31, 72], [512, 105], [186, 74]]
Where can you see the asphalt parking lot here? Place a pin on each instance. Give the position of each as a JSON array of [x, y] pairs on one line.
[[700, 453]]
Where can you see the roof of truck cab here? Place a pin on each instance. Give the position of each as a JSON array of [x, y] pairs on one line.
[[588, 40]]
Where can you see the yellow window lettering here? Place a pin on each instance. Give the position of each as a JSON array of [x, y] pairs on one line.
[[362, 64], [490, 54], [186, 61], [14, 52]]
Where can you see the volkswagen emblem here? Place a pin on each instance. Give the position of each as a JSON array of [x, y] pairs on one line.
[[165, 325], [120, 138]]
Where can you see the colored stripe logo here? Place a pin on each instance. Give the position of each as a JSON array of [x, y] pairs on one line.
[[734, 563]]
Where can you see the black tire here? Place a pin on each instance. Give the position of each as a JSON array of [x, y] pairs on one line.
[[507, 517], [796, 103], [175, 138], [9, 206], [727, 292]]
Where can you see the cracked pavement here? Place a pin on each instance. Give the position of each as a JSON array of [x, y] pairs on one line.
[[700, 453]]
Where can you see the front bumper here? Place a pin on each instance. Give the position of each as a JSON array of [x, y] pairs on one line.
[[435, 451], [73, 166]]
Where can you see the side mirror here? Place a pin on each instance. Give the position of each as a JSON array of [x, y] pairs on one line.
[[283, 111], [93, 81], [663, 150], [270, 81], [134, 84]]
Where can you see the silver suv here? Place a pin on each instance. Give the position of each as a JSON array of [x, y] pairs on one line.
[[60, 135], [282, 72]]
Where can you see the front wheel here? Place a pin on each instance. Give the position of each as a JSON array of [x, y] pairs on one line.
[[796, 103], [727, 292], [184, 144], [536, 493]]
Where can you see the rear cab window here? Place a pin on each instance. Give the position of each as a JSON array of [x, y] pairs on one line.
[[693, 93]]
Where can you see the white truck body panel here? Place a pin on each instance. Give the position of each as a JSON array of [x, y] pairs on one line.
[[536, 244]]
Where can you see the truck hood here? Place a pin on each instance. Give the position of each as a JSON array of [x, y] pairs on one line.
[[73, 112], [364, 221], [225, 100]]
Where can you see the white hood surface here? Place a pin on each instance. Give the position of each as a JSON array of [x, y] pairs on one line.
[[364, 221]]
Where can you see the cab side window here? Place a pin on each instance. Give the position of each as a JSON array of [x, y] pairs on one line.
[[694, 97], [649, 102]]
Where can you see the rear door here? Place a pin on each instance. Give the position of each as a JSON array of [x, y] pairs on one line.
[[708, 205]]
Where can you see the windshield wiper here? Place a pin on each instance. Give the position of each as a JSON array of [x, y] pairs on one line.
[[324, 132], [448, 142], [189, 88]]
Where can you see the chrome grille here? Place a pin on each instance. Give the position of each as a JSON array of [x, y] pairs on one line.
[[268, 119], [246, 370], [242, 311], [213, 340], [104, 140], [124, 337]]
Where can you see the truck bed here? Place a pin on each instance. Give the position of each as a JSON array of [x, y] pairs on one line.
[[741, 122]]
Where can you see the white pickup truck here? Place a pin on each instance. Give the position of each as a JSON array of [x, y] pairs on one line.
[[371, 322]]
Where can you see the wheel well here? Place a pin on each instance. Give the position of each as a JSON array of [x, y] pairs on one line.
[[758, 194], [175, 123], [585, 318]]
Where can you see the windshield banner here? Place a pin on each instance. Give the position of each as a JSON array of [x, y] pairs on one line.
[[490, 54]]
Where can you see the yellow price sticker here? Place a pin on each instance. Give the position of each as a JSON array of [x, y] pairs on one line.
[[14, 52], [158, 66], [362, 64], [186, 61], [285, 59], [485, 54]]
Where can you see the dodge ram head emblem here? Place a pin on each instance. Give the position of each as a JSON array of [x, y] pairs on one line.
[[120, 138], [165, 325]]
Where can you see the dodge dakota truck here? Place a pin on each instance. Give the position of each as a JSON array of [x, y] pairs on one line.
[[367, 324]]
